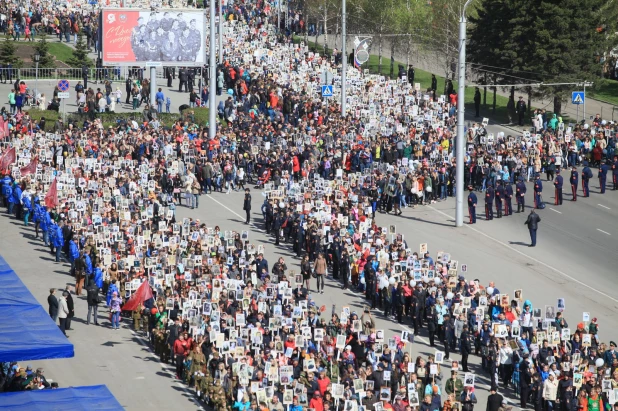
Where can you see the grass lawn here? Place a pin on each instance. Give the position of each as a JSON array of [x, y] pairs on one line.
[[500, 115], [61, 51], [607, 90]]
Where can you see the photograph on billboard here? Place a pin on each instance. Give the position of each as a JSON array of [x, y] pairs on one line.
[[168, 37]]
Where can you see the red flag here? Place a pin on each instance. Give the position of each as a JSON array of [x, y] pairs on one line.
[[51, 198], [7, 159], [142, 294], [30, 168], [2, 123]]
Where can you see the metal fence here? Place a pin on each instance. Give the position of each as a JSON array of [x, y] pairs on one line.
[[112, 73]]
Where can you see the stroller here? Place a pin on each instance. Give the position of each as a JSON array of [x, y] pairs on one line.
[[263, 179]]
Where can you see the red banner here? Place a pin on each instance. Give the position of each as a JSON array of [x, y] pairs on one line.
[[30, 168], [51, 198], [142, 294], [7, 159], [4, 127]]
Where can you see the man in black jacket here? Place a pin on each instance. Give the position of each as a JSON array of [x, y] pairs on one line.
[[247, 205], [466, 348], [494, 401], [128, 86], [53, 304], [533, 224], [71, 308], [92, 292]]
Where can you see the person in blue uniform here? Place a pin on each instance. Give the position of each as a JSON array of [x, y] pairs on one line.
[[520, 195], [586, 176], [538, 190], [508, 198], [558, 185], [615, 173], [603, 169], [574, 180], [489, 201], [499, 197], [472, 201]]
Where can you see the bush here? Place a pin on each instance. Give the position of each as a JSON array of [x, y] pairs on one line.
[[200, 115], [108, 119], [50, 115]]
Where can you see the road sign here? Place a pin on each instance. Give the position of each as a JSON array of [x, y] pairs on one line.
[[63, 85], [326, 77], [327, 91], [63, 94], [578, 97]]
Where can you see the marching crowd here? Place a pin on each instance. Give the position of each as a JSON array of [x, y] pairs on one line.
[[247, 335]]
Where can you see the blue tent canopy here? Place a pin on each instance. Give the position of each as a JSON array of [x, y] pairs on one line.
[[97, 397], [27, 332]]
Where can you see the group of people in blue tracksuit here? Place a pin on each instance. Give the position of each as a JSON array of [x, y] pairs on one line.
[[16, 199]]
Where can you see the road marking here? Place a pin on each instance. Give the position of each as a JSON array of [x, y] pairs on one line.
[[601, 205], [562, 273], [234, 212], [604, 232], [559, 212]]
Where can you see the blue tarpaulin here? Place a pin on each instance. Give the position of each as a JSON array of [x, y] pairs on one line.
[[27, 332], [97, 397]]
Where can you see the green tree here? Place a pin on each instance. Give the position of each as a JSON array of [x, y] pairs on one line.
[[534, 41], [46, 60], [7, 53], [80, 54]]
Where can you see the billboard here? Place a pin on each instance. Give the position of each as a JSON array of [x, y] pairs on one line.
[[166, 37]]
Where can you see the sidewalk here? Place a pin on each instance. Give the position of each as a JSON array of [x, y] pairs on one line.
[[433, 63]]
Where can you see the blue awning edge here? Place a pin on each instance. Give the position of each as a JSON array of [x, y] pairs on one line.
[[27, 332], [96, 397]]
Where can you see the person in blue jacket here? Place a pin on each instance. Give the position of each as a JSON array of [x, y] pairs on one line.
[[98, 276], [74, 254], [45, 224], [88, 262], [113, 288], [58, 241], [16, 199], [11, 198], [27, 208], [7, 191]]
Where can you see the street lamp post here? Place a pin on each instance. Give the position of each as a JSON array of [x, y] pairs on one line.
[[344, 59], [37, 58], [460, 142], [212, 94]]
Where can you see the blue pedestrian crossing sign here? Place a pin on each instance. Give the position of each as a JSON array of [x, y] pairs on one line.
[[63, 85], [327, 91], [578, 97]]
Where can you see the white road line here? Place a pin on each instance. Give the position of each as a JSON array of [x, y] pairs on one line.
[[601, 205], [234, 212], [562, 273], [604, 232], [559, 212]]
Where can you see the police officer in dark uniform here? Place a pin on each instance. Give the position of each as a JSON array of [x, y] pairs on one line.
[[472, 201], [603, 169], [586, 176], [499, 193], [520, 195], [615, 173], [574, 180], [538, 190], [508, 198], [489, 200], [558, 184], [246, 205]]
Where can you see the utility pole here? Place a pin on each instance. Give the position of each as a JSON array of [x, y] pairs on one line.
[[460, 142], [220, 31], [344, 58], [212, 93]]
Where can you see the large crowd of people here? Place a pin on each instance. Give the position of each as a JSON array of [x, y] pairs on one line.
[[247, 335]]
